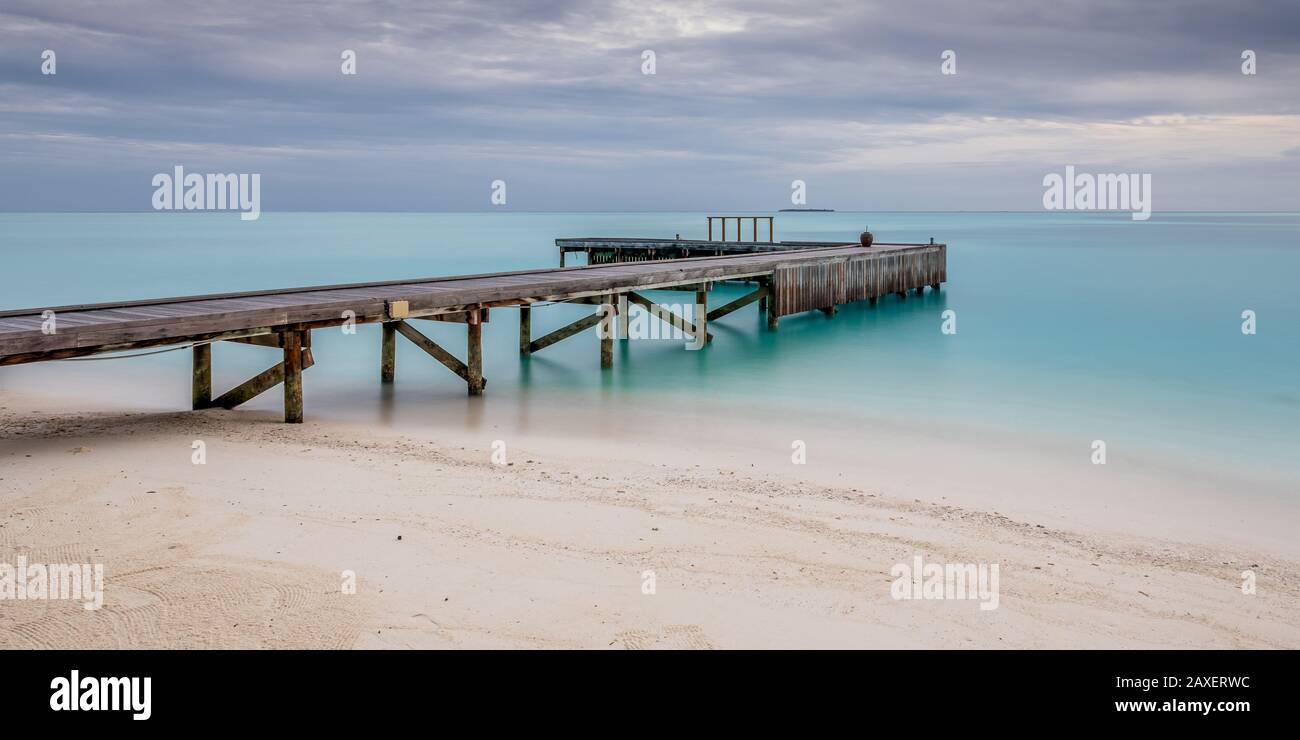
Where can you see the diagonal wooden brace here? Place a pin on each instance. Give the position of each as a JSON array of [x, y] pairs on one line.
[[586, 322], [667, 316], [471, 373], [737, 304], [260, 383]]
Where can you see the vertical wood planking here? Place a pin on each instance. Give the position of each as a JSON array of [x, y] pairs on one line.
[[823, 285]]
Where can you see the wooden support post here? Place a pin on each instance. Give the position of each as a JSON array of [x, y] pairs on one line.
[[388, 353], [561, 256], [606, 331], [293, 377], [934, 286], [475, 355], [702, 312], [624, 330], [202, 386], [872, 301], [920, 289], [526, 328]]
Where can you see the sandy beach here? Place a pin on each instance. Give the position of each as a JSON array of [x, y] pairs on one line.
[[559, 546]]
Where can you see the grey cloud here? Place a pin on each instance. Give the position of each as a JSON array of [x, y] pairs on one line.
[[551, 92]]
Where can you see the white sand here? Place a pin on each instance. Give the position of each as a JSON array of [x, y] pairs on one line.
[[747, 550]]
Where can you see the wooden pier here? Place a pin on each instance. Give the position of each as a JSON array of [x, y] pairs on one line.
[[789, 277]]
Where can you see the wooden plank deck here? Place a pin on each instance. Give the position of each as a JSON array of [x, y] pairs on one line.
[[702, 246], [601, 250]]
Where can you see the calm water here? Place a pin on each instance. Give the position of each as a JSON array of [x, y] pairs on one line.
[[1075, 325]]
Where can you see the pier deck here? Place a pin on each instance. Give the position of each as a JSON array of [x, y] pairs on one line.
[[800, 277], [603, 249]]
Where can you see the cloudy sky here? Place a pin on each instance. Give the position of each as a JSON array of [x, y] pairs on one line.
[[550, 97]]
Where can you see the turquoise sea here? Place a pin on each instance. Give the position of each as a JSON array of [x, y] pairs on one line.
[[1086, 325]]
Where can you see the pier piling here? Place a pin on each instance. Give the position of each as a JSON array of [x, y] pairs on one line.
[[293, 341], [388, 353], [525, 328], [701, 334], [474, 338], [606, 331], [202, 385]]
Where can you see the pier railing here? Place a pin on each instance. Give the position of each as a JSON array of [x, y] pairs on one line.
[[771, 228]]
